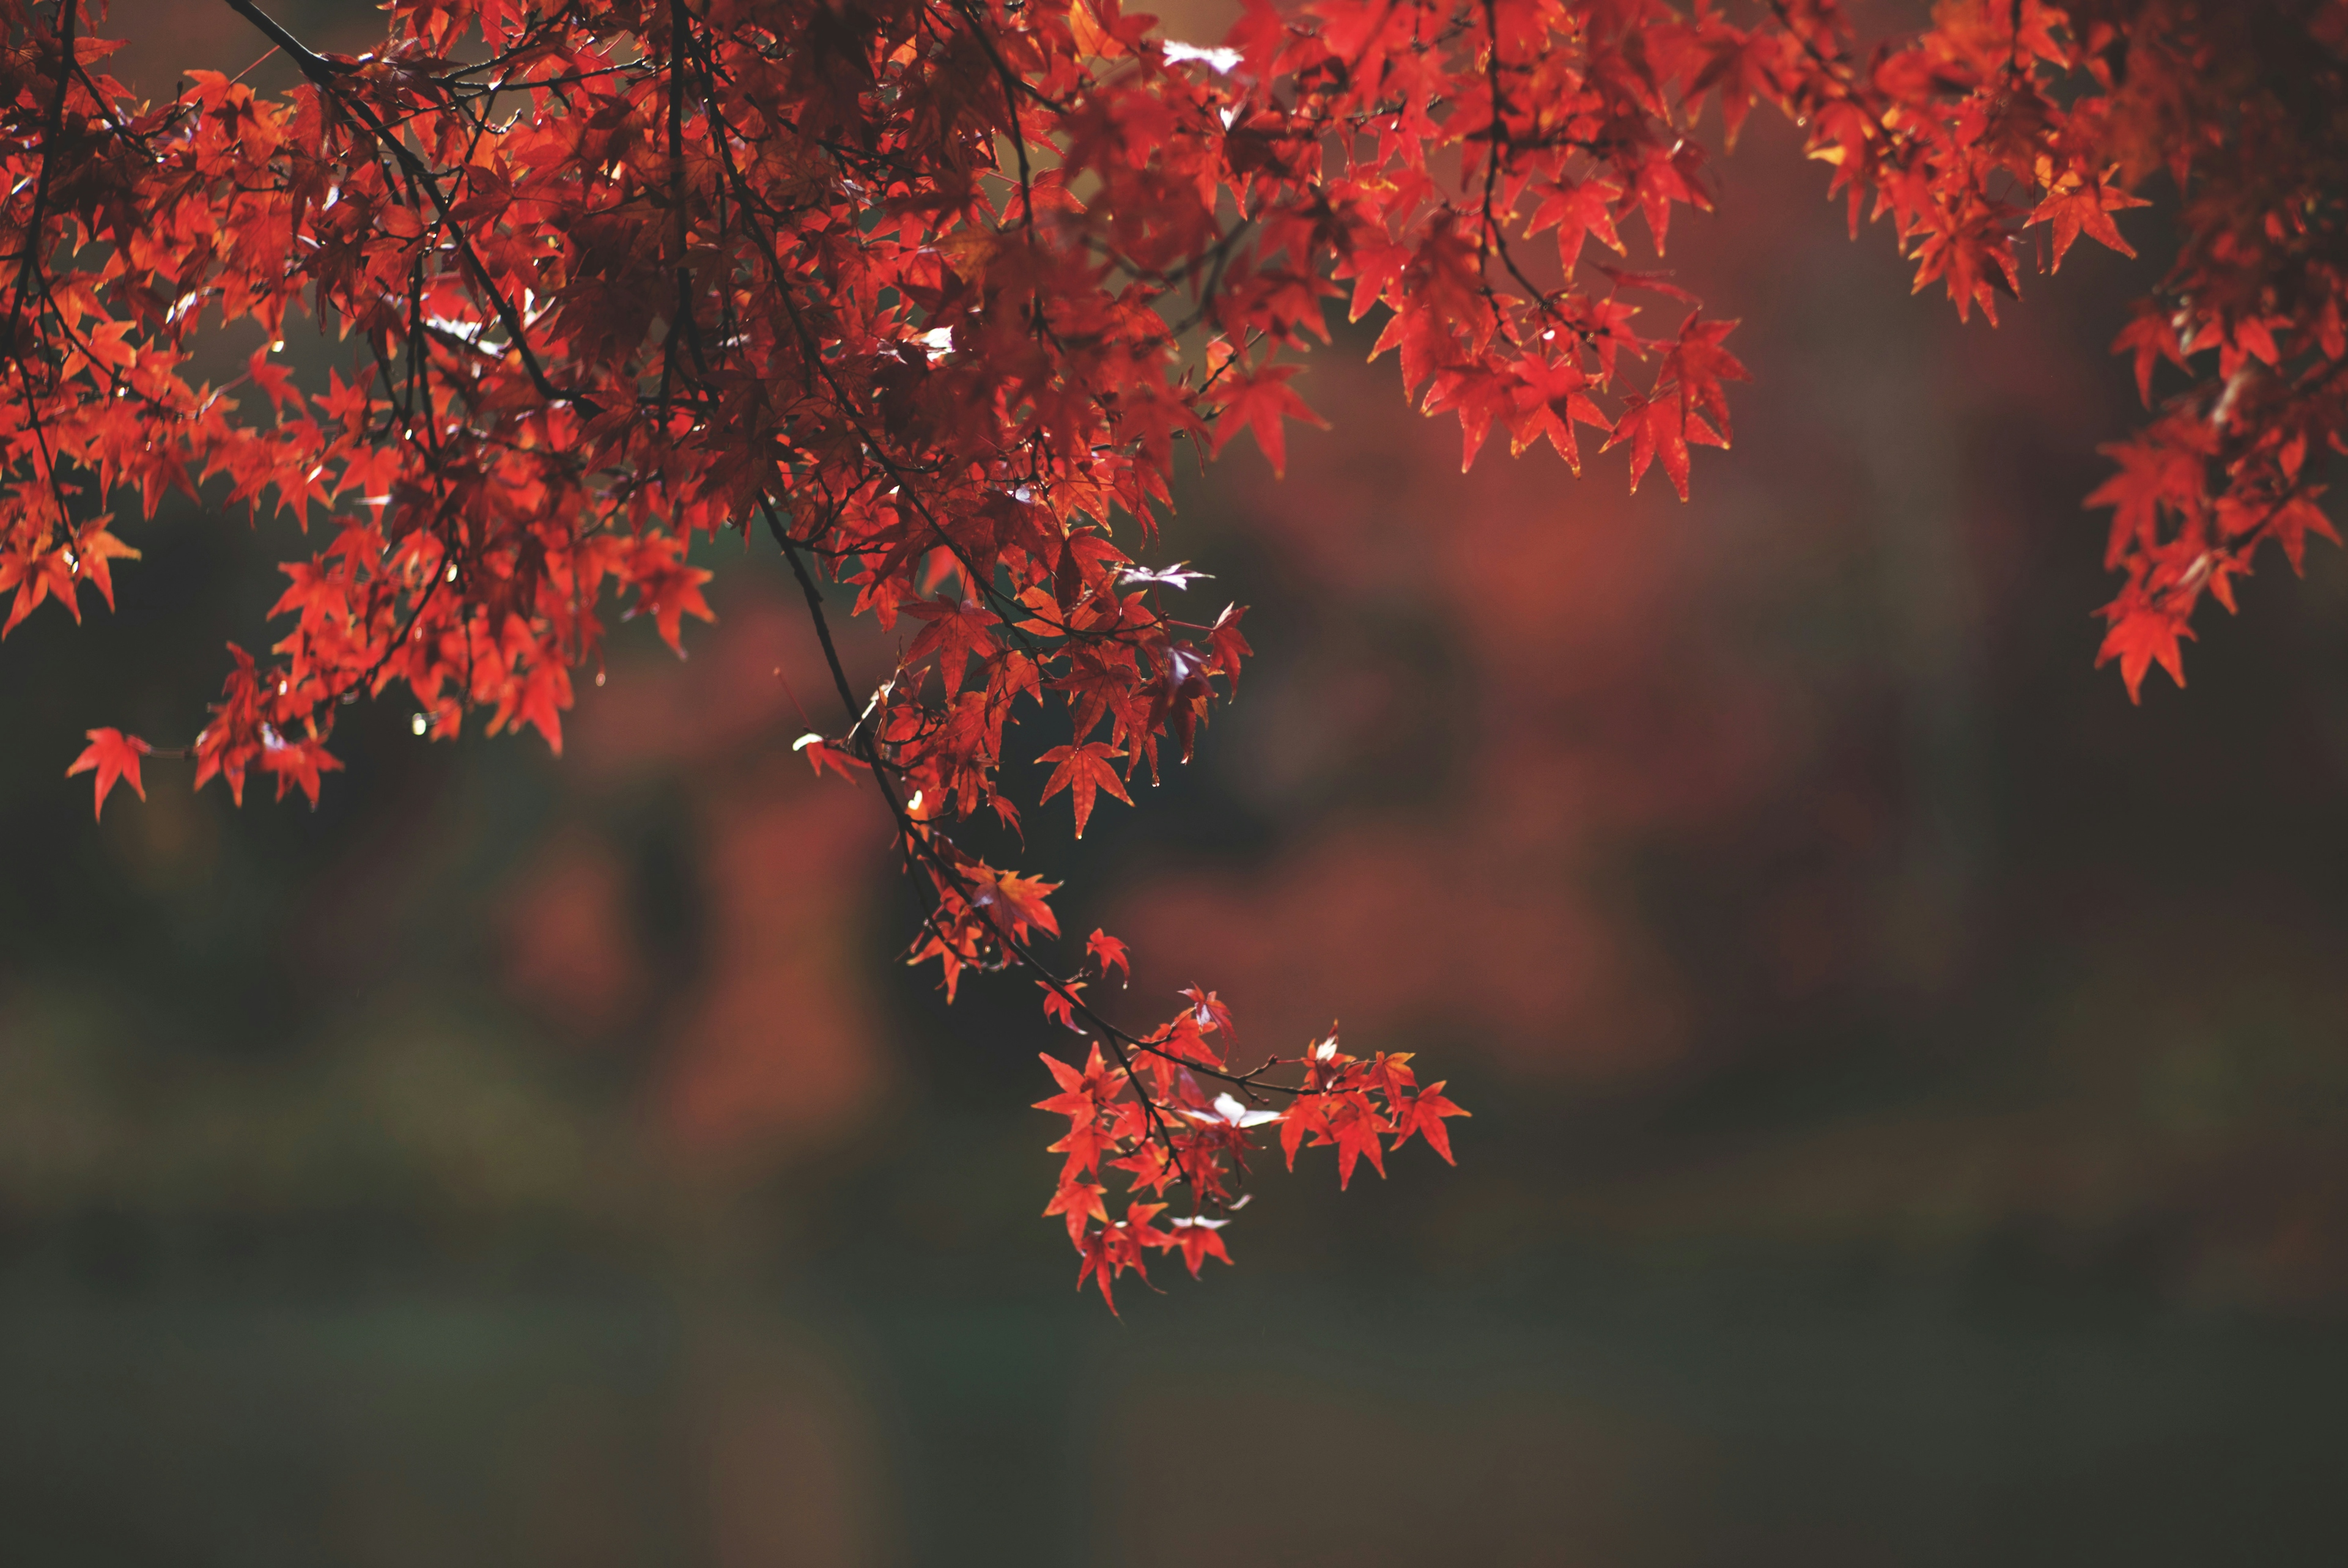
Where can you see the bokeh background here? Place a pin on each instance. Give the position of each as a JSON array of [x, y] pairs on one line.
[[1911, 1083]]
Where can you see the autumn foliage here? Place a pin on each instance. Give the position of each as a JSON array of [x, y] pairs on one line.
[[930, 295]]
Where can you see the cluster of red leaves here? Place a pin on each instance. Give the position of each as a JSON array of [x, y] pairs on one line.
[[2010, 115], [1148, 1117], [927, 290]]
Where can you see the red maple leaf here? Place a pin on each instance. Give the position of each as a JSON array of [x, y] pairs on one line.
[[1423, 1114], [1079, 1201], [36, 578], [669, 595], [1082, 771], [1260, 401], [1576, 207], [93, 547], [1107, 953], [2141, 634], [2296, 518], [1200, 1239], [2086, 206], [1102, 1257], [112, 756], [1083, 1092], [1355, 1127], [1208, 1010], [956, 632], [1019, 902], [1229, 645], [1060, 1001]]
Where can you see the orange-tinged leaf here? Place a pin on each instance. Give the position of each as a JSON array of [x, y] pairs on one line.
[[1107, 953], [2085, 208], [1080, 1200], [1200, 1239], [112, 756], [1356, 1127], [93, 547], [1423, 1114]]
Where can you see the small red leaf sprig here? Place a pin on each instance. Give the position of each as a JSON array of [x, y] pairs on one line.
[[1169, 1112]]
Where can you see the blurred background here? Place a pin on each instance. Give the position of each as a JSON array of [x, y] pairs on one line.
[[1911, 1083]]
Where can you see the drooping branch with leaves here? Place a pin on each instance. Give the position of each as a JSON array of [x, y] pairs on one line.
[[929, 296]]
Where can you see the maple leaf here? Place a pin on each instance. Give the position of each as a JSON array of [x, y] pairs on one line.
[[1208, 1010], [348, 403], [957, 630], [545, 691], [1184, 1040], [296, 763], [1108, 953], [1260, 401], [1021, 902], [1972, 254], [112, 756], [2140, 634], [1096, 683], [1355, 1126], [93, 547], [1698, 364], [1741, 64], [1082, 1146], [1137, 1225], [1111, 1250], [821, 753], [1423, 1114], [670, 595], [1578, 209], [1149, 1166], [1308, 1117], [1099, 1263], [1200, 1239], [2294, 520], [37, 577], [2167, 470], [1229, 645], [1083, 1091], [2151, 337], [1082, 771], [1661, 426], [1389, 1072], [2086, 207], [276, 380], [1079, 1201]]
